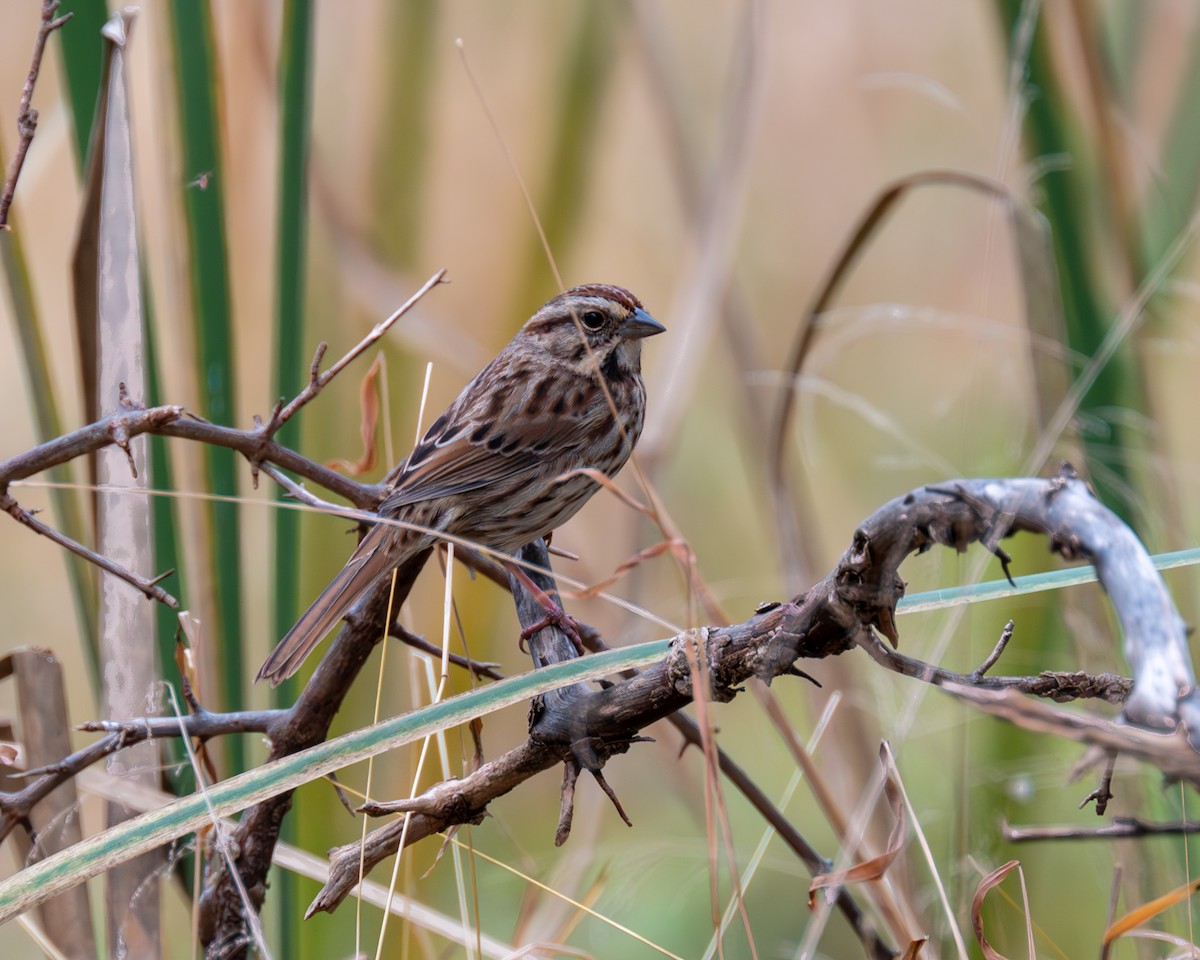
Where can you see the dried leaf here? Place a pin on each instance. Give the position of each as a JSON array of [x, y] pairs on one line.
[[476, 728], [185, 662], [876, 867], [1147, 911], [368, 396], [110, 328], [913, 950], [986, 884]]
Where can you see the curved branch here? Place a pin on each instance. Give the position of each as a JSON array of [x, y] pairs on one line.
[[858, 597]]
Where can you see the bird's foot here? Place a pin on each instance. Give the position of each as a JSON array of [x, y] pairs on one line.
[[556, 616]]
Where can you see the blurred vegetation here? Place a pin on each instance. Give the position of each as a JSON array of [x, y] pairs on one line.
[[302, 168]]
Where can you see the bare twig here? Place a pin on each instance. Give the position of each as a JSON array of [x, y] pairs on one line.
[[149, 587], [1054, 685], [15, 807], [998, 651], [175, 421], [1121, 827], [1170, 753], [317, 380], [488, 670], [27, 116]]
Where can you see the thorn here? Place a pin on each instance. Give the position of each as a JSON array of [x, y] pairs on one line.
[[997, 651], [566, 810], [885, 620], [1005, 560], [611, 796], [161, 577], [794, 671], [189, 694], [341, 793], [315, 370]]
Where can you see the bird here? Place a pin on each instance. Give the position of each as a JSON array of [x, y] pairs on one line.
[[500, 466]]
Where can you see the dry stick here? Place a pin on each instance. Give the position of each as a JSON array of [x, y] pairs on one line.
[[1119, 828], [489, 671], [317, 380], [15, 807], [27, 117], [175, 421], [148, 587], [1060, 686]]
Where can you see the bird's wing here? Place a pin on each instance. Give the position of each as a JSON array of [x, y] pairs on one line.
[[481, 454]]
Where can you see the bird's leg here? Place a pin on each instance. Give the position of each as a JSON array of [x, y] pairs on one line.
[[555, 615]]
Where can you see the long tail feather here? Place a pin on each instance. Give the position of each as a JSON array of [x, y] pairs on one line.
[[370, 561]]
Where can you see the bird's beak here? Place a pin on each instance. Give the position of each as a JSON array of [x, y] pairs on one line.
[[640, 324]]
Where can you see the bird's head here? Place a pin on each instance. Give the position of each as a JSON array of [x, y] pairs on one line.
[[594, 327]]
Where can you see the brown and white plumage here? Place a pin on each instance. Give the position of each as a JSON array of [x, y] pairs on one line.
[[565, 393]]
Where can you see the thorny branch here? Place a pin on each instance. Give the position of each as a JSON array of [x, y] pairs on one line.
[[855, 599], [27, 116], [148, 587]]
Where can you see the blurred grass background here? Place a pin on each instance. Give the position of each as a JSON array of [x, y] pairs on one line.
[[714, 164]]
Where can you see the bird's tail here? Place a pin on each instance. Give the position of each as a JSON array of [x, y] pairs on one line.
[[371, 560]]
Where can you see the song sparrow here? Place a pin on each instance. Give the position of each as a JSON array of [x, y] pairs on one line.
[[491, 468]]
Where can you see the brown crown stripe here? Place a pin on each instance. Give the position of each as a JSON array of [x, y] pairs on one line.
[[608, 291]]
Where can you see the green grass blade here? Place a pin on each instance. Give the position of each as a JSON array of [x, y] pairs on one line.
[[99, 853], [295, 111], [196, 81], [295, 107], [1031, 583], [1073, 203], [398, 176], [83, 60]]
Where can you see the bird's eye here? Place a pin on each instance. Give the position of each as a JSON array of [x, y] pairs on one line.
[[593, 319]]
